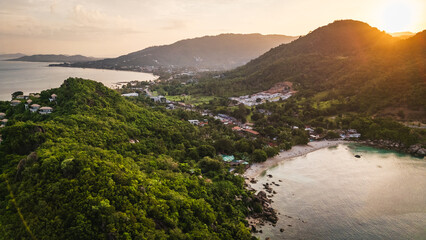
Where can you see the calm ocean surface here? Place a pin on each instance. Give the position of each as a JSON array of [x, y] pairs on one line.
[[330, 194], [34, 76]]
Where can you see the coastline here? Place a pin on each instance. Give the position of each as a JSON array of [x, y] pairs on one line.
[[256, 169]]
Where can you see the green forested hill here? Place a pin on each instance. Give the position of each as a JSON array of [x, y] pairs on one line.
[[74, 174], [346, 59]]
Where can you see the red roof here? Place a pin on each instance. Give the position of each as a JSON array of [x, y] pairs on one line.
[[251, 131], [236, 128]]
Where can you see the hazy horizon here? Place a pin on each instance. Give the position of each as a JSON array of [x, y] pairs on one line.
[[112, 28]]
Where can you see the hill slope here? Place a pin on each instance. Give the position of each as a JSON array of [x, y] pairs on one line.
[[101, 167], [225, 51], [54, 58], [345, 59]]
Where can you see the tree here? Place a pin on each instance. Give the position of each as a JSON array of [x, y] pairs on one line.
[[17, 93], [259, 155], [271, 151], [206, 150], [208, 164]]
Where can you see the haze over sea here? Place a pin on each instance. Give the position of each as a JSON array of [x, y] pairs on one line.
[[32, 77]]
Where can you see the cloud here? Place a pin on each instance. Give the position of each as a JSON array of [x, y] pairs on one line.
[[175, 24]]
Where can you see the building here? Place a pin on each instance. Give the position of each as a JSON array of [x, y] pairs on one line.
[[159, 99], [170, 106], [194, 122], [4, 122], [15, 103], [251, 131], [45, 110], [34, 108], [236, 128], [53, 97], [22, 97], [2, 115], [130, 94], [228, 158]]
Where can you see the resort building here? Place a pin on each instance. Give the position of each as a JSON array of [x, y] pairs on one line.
[[34, 108], [45, 110], [15, 103], [4, 122], [53, 97], [194, 122], [130, 94]]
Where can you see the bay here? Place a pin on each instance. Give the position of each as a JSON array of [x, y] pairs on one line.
[[31, 77], [330, 194]]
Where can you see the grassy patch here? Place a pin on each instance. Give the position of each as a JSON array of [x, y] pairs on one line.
[[191, 99]]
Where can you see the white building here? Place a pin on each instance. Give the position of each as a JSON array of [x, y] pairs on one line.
[[130, 94], [45, 110], [53, 97], [15, 103], [4, 122], [194, 122], [34, 108]]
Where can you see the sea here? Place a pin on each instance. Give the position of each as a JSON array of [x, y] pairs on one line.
[[33, 77], [330, 194]]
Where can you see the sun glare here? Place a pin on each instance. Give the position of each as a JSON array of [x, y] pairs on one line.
[[399, 16]]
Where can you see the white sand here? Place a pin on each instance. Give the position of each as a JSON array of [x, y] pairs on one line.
[[257, 168]]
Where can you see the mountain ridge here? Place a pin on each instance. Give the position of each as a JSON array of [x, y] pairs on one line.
[[224, 51], [346, 58], [54, 58]]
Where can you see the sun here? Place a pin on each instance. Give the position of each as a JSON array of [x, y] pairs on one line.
[[400, 15]]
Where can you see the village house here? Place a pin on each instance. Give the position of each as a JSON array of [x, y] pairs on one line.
[[15, 103], [309, 129], [194, 122], [4, 122], [45, 110], [2, 115], [251, 131], [227, 158], [22, 97], [170, 106], [53, 97], [34, 108], [236, 128], [159, 99]]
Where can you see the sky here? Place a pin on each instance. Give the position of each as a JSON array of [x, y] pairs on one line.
[[109, 28]]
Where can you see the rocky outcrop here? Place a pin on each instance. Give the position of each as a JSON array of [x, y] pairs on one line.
[[416, 150], [268, 213]]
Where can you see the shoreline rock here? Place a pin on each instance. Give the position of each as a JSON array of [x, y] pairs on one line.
[[416, 150]]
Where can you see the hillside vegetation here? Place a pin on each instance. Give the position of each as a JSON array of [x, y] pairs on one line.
[[350, 61], [101, 167]]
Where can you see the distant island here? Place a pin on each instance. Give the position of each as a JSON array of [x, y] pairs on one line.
[[221, 52], [54, 58], [11, 55]]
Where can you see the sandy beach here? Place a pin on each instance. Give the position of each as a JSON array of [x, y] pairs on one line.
[[296, 151]]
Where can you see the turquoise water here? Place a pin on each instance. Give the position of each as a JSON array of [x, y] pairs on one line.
[[33, 77], [330, 194]]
